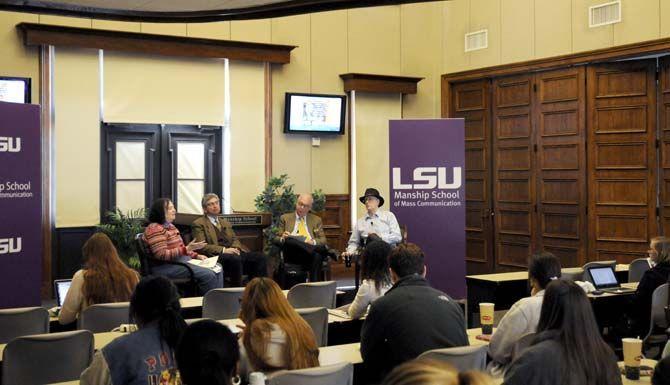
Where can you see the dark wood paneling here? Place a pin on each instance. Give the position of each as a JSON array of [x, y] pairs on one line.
[[559, 121], [471, 101], [68, 257], [664, 143], [513, 165], [336, 222], [379, 83], [622, 159], [43, 34]]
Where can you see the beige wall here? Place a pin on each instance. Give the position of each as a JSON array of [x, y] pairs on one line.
[[423, 40], [522, 30]]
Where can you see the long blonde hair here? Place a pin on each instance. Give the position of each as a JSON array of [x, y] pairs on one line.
[[423, 371], [264, 304], [106, 278]]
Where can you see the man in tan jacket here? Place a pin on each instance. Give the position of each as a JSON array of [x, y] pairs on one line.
[[221, 241], [304, 241]]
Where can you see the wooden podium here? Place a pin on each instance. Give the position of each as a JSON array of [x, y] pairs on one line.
[[247, 226]]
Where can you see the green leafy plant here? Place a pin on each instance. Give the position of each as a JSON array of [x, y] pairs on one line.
[[279, 198], [121, 229]]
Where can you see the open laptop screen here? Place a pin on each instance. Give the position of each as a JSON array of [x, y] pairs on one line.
[[603, 277], [61, 287]]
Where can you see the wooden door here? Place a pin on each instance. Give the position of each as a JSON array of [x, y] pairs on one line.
[[559, 129], [513, 171], [471, 101], [622, 159], [664, 151]]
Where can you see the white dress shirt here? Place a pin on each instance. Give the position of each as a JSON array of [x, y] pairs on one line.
[[383, 223]]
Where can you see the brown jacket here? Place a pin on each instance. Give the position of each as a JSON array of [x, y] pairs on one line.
[[314, 226], [203, 230]]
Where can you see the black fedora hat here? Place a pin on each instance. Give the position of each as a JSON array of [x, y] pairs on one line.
[[372, 192]]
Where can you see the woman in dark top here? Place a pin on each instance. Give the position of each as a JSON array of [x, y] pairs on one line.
[[659, 254], [568, 348]]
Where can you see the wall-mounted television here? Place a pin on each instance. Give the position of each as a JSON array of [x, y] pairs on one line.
[[314, 113], [14, 90]]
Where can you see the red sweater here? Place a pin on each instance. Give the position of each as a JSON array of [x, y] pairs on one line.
[[165, 242]]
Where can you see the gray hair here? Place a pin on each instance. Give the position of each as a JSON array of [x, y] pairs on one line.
[[207, 197]]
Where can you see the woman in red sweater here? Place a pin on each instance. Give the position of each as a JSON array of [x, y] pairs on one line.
[[166, 245]]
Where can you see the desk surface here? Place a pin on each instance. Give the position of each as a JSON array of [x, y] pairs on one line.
[[523, 275]]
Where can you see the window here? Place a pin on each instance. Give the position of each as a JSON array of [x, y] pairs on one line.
[[143, 162]]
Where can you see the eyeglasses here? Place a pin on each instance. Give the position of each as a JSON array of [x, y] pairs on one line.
[[212, 203]]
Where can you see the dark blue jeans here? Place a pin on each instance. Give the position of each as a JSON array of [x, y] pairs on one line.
[[205, 278]]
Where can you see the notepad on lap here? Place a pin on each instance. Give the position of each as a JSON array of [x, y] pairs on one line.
[[209, 263]]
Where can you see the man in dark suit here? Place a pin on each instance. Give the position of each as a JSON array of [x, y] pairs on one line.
[[221, 240], [302, 236]]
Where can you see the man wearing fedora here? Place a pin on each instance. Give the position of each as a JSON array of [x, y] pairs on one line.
[[375, 224]]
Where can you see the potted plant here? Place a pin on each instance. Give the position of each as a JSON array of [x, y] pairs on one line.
[[121, 229]]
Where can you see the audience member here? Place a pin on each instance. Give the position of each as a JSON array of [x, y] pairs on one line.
[[166, 244], [221, 240], [523, 316], [375, 224], [147, 355], [568, 348], [410, 318], [661, 372], [208, 354], [376, 277], [433, 372], [659, 254], [103, 279], [275, 336], [302, 237]]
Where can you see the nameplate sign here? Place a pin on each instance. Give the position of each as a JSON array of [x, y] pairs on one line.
[[244, 220]]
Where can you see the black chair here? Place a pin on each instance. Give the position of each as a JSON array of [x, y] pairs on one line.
[[188, 287], [291, 274]]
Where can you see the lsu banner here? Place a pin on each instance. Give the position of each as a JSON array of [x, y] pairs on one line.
[[428, 194], [20, 205]]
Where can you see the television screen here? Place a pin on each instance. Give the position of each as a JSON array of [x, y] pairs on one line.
[[14, 90], [315, 114]]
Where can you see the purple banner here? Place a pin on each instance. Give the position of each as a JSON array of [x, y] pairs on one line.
[[20, 205], [428, 194]]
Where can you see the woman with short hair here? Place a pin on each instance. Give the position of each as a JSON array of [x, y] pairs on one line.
[[275, 336], [567, 348], [104, 278], [659, 255]]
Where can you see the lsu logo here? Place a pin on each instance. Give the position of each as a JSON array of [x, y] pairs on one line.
[[10, 245], [428, 178], [9, 144]]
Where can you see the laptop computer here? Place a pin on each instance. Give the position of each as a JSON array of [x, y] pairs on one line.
[[604, 279], [61, 286]]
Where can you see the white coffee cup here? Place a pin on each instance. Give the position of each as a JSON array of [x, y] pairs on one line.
[[257, 378]]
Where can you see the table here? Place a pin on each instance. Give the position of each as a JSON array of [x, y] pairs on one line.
[[504, 289]]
